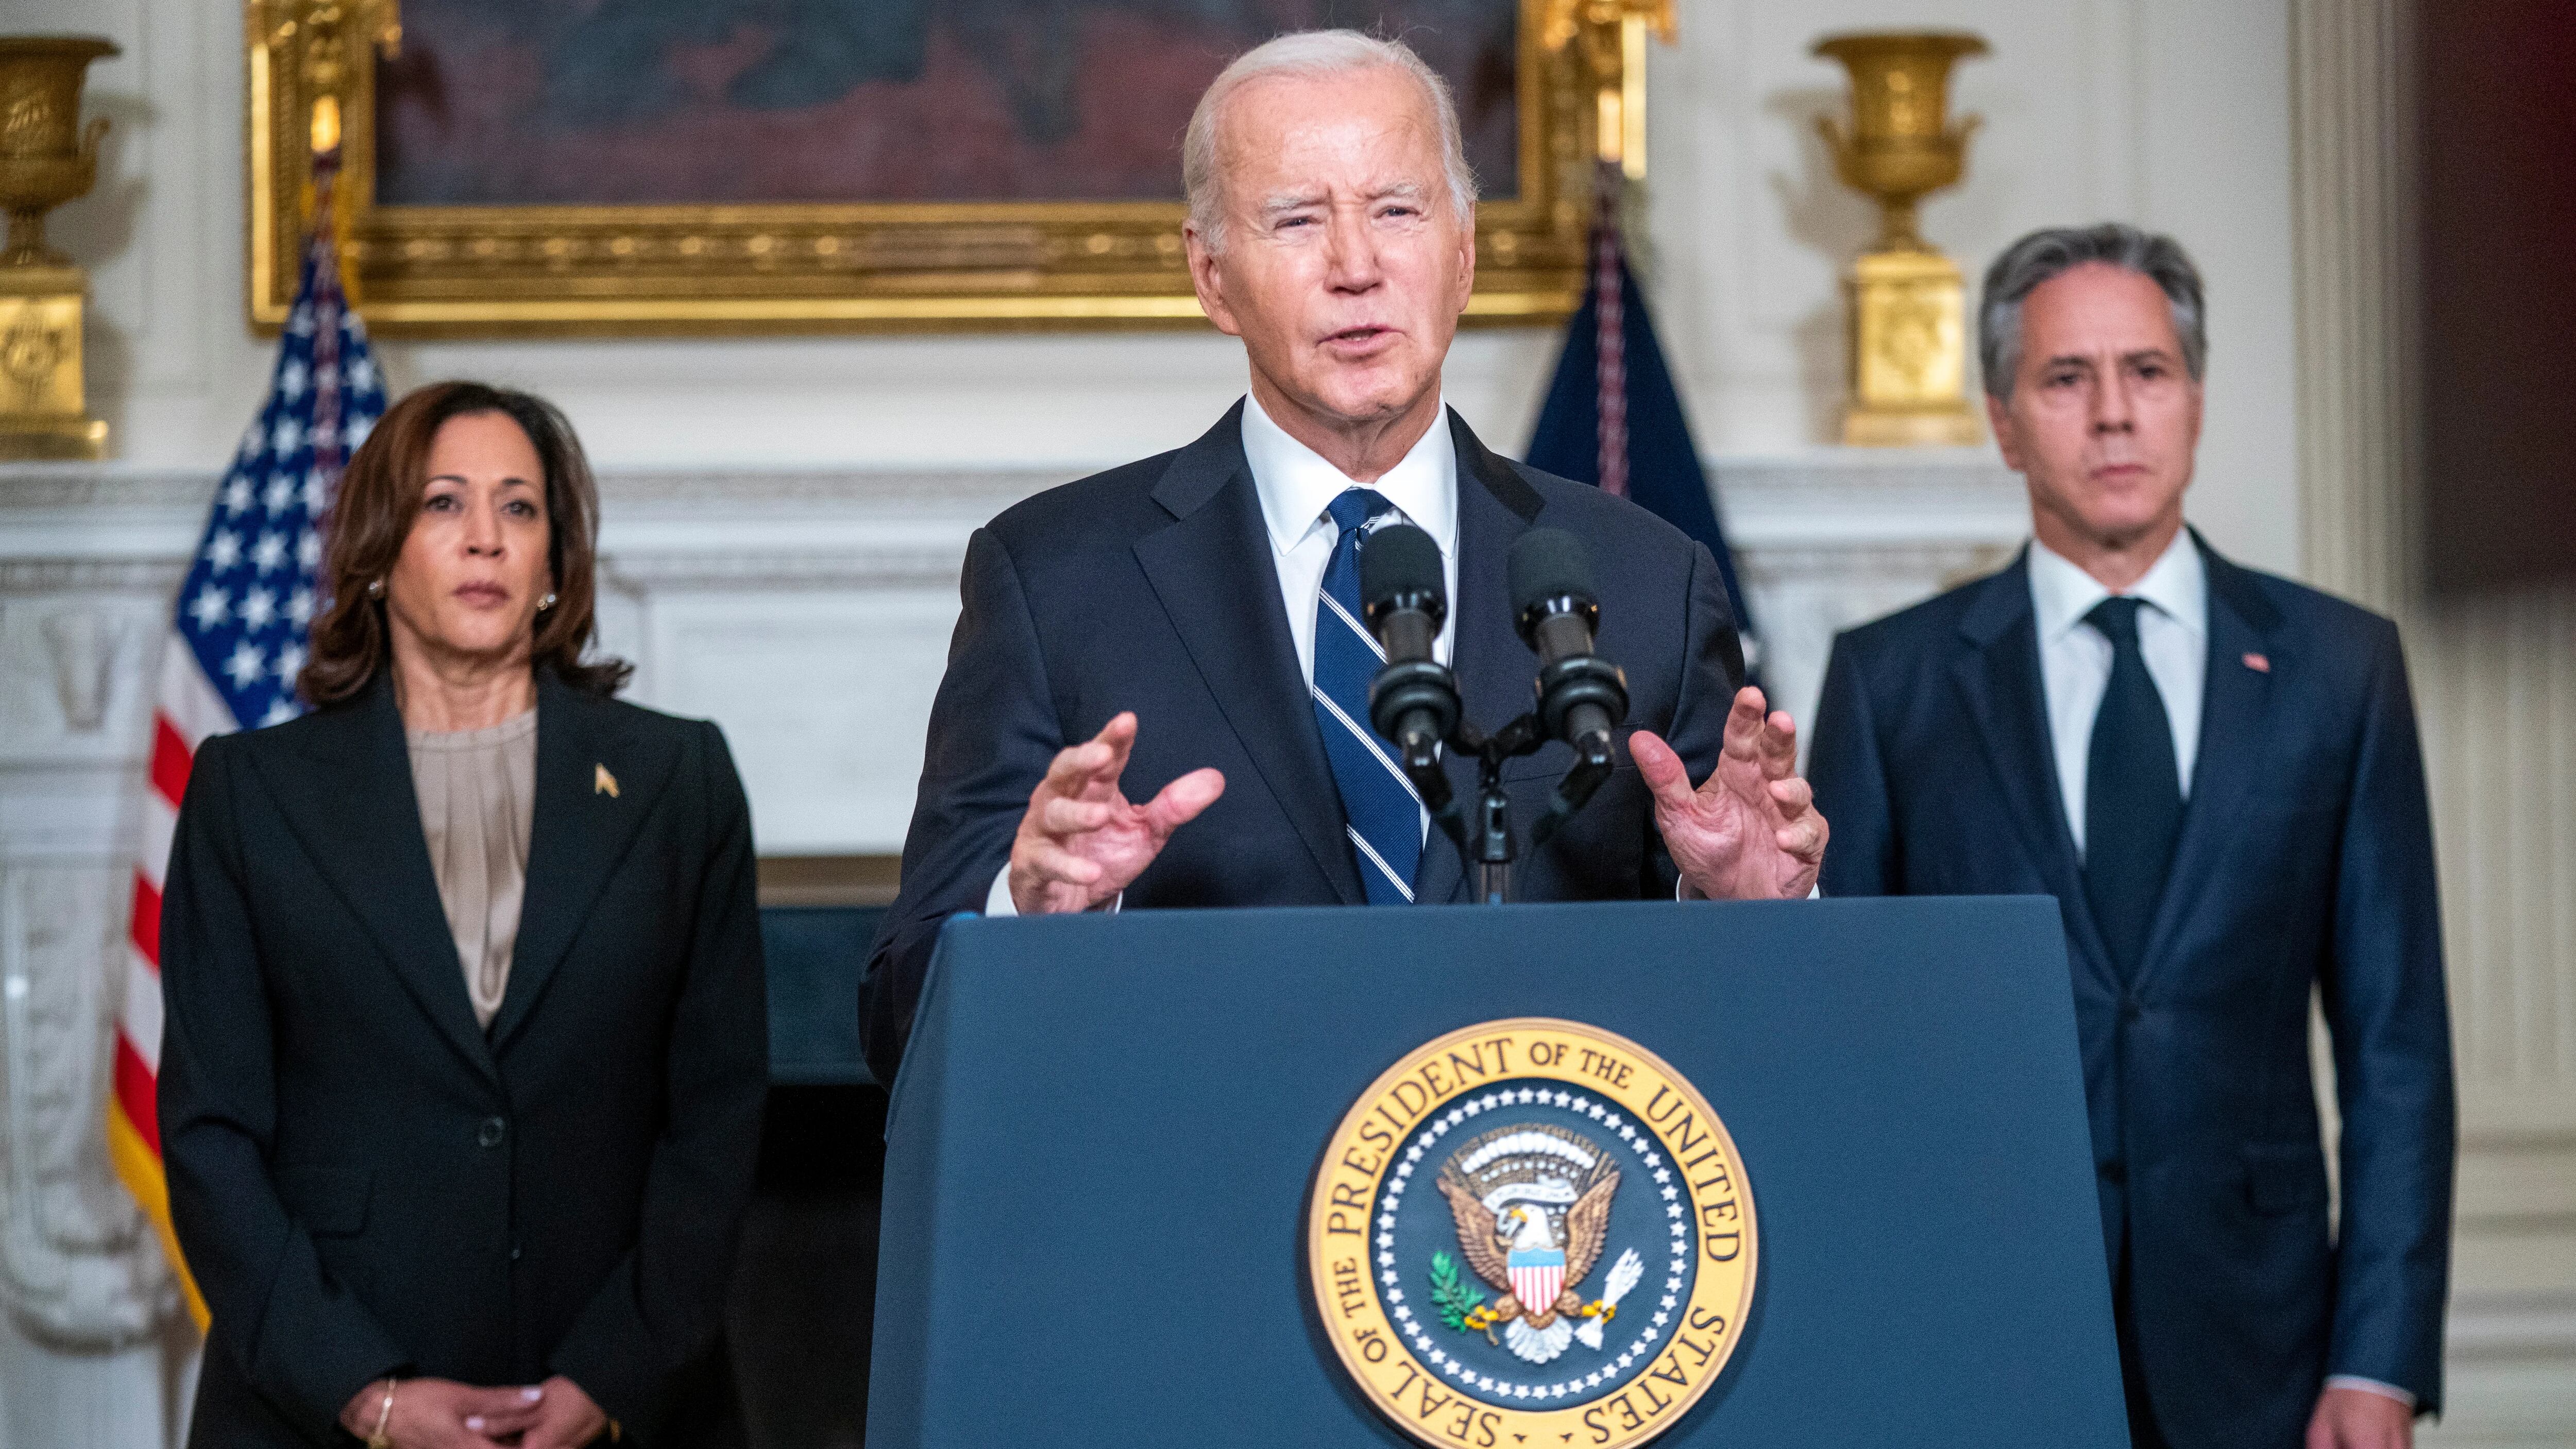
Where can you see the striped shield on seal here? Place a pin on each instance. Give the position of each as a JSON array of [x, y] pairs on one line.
[[1538, 1275]]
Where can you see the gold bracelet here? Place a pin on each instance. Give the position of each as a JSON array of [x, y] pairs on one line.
[[384, 1417]]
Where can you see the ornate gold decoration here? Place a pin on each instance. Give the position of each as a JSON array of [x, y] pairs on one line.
[[1471, 1163], [1908, 302], [312, 69], [46, 159], [852, 267], [1612, 52]]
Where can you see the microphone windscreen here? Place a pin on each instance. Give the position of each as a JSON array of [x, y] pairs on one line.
[[1548, 563], [1400, 559]]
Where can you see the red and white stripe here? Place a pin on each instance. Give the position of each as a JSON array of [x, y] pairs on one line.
[[186, 711]]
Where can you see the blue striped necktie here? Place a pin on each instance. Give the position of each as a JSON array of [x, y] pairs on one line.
[[1379, 808]]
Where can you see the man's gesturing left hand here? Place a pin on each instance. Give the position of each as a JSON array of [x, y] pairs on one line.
[[1751, 830]]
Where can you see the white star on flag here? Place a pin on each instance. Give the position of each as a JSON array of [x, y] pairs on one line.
[[290, 379], [258, 609], [248, 662], [289, 436], [317, 491], [300, 321], [236, 495], [361, 373], [290, 663], [357, 428], [280, 493], [299, 607], [267, 554], [308, 549], [223, 550], [211, 608]]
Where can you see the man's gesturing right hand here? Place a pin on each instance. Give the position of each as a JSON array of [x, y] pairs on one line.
[[1081, 842]]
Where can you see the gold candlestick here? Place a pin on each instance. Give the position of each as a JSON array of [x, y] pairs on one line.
[[1909, 358], [46, 159]]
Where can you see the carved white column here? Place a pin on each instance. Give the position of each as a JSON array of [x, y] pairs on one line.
[[87, 562], [2495, 688]]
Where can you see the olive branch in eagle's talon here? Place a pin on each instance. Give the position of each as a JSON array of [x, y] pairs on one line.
[[1460, 1306]]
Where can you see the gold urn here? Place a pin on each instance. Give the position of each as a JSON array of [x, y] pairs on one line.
[[1909, 357], [46, 159]]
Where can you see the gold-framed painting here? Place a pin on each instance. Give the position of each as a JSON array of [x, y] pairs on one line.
[[573, 167]]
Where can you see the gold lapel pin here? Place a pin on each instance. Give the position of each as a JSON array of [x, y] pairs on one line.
[[602, 782]]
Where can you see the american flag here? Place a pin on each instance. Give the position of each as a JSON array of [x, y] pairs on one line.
[[235, 646]]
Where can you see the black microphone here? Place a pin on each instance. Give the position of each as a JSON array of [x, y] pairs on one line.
[[1581, 696], [1414, 699]]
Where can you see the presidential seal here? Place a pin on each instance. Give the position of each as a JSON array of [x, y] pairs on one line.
[[1532, 1232]]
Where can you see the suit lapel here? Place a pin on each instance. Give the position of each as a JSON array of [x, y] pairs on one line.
[[1212, 570], [580, 831], [1999, 680], [2234, 728], [374, 855], [1494, 669]]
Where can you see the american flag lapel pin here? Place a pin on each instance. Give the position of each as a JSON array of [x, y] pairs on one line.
[[2259, 663], [604, 783]]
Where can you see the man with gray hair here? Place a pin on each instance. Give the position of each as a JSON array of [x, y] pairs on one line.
[[1157, 695], [2216, 773]]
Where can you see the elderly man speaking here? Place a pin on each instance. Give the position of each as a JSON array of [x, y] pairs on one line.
[[1157, 693]]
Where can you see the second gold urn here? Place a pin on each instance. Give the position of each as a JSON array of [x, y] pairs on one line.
[[1908, 303]]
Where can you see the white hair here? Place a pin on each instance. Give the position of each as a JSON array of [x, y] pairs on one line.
[[1312, 53]]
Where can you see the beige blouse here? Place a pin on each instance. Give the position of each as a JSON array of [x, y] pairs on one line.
[[478, 796]]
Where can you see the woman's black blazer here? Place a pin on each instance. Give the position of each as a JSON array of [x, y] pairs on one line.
[[366, 1183]]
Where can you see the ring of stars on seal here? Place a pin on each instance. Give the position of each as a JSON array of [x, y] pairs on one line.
[[1532, 1232]]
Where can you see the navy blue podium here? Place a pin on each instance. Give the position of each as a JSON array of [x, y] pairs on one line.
[[1107, 1129]]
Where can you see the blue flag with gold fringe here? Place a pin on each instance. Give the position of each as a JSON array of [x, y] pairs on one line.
[[1613, 418]]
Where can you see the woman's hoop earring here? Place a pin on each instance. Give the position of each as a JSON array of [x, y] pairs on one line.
[[375, 588], [545, 603]]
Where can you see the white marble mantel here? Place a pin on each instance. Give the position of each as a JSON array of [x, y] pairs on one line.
[[808, 612]]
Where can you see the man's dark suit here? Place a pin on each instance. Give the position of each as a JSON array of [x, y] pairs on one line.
[[364, 1181], [2305, 859], [1152, 588]]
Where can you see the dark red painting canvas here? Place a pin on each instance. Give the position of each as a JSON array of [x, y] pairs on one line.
[[698, 102]]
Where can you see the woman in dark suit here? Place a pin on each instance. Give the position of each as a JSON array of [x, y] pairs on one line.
[[464, 1052]]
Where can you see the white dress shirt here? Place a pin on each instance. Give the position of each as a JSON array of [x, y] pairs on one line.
[[2075, 669], [1296, 485], [2075, 657]]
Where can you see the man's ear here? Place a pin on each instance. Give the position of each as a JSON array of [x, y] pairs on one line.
[[1466, 260], [1999, 419], [1207, 279]]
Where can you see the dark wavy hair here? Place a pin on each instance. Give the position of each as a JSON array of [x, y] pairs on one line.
[[378, 502]]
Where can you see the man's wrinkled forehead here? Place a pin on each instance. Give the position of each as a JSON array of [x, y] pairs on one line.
[[1294, 138]]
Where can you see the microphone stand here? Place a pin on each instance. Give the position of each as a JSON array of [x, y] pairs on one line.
[[1491, 852]]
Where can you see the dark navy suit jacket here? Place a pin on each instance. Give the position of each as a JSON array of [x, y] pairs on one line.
[[1152, 587], [366, 1181], [2305, 861]]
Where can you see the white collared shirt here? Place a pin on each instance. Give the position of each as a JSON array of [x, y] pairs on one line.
[[1295, 486], [2075, 658]]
